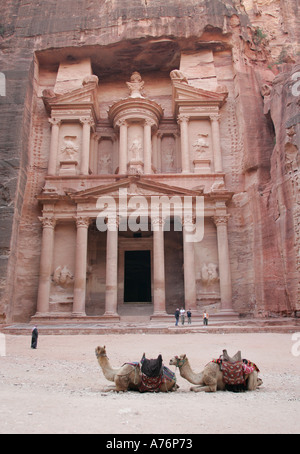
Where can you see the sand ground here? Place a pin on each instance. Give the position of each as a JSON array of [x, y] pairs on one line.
[[60, 389]]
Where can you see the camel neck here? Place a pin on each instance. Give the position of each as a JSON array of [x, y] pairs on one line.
[[187, 373], [108, 372]]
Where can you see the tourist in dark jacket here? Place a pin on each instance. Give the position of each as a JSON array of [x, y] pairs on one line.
[[34, 337], [177, 312]]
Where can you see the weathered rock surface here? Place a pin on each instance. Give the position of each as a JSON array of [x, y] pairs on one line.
[[253, 41]]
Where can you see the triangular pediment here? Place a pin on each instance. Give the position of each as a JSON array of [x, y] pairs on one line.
[[186, 95], [134, 186], [76, 98]]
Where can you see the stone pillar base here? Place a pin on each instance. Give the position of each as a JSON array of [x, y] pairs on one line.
[[202, 166], [110, 317], [160, 316], [78, 314], [227, 314], [68, 168]]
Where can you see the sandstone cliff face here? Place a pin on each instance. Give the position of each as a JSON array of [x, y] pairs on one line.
[[253, 41], [284, 189]]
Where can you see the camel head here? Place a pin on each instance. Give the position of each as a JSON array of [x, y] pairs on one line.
[[100, 351], [178, 361]]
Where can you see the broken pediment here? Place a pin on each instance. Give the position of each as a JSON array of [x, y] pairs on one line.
[[76, 99], [184, 95]]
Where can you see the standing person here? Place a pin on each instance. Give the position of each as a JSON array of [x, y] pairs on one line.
[[177, 316], [205, 318], [34, 337], [189, 316], [182, 315]]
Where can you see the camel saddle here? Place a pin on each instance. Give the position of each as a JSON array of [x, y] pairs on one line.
[[154, 374], [234, 370], [151, 367]]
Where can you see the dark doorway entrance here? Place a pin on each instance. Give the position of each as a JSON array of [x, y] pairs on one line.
[[137, 281]]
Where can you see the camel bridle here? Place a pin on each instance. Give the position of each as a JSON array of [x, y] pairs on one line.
[[101, 355], [180, 362]]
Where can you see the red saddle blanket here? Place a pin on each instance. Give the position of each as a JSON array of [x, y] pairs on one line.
[[233, 373], [152, 384]]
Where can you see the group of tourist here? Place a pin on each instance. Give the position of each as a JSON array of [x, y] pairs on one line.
[[181, 314], [178, 314]]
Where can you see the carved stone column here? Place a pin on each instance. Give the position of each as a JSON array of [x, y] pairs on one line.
[[80, 266], [111, 293], [123, 147], [46, 262], [155, 153], [216, 142], [159, 156], [159, 292], [183, 121], [147, 147], [224, 264], [53, 145], [190, 296], [94, 153], [86, 140]]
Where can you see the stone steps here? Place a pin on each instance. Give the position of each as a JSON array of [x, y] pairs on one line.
[[140, 325]]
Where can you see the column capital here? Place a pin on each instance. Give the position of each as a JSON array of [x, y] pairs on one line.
[[96, 136], [149, 122], [112, 223], [183, 118], [158, 222], [215, 117], [121, 122], [221, 219], [189, 220], [48, 221], [54, 121], [82, 221], [87, 120]]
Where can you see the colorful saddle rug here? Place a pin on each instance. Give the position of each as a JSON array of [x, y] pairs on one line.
[[235, 374], [153, 384]]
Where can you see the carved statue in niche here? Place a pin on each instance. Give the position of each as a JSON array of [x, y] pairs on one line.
[[62, 276], [169, 157], [136, 86], [201, 145], [105, 163], [136, 149], [168, 153], [69, 148], [209, 274]]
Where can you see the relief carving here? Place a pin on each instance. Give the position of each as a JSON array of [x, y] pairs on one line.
[[105, 162], [176, 74], [70, 148], [136, 149], [201, 145], [209, 274], [62, 276], [136, 86]]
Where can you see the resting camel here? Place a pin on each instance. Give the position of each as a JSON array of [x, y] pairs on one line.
[[211, 378], [129, 376]]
